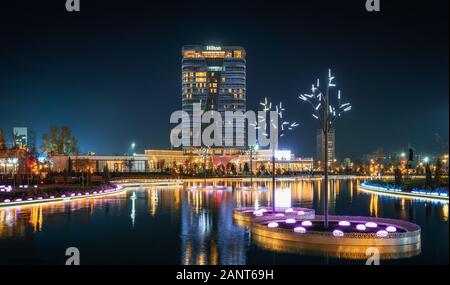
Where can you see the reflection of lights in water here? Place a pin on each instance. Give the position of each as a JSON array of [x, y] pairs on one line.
[[445, 212], [283, 197], [133, 208], [36, 218], [374, 205], [153, 201], [256, 202]]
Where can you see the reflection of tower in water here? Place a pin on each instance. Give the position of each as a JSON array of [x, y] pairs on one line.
[[208, 235]]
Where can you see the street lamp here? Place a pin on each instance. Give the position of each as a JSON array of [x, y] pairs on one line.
[[326, 113], [133, 145], [284, 127]]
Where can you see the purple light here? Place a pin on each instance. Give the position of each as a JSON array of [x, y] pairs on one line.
[[391, 229], [273, 225], [52, 197], [290, 210], [338, 233], [7, 200], [63, 196], [382, 234], [300, 230], [279, 215], [344, 223], [361, 227], [30, 199], [263, 210], [300, 213], [371, 225], [290, 221], [306, 223], [18, 200]]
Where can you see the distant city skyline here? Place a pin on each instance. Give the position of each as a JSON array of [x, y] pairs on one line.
[[116, 84]]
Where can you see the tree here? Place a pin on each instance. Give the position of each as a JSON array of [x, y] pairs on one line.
[[69, 166], [106, 176], [428, 178], [246, 168], [60, 141], [398, 176], [438, 173], [2, 140]]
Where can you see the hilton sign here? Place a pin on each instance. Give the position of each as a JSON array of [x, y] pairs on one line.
[[213, 48]]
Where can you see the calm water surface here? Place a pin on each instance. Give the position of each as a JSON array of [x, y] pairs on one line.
[[175, 225]]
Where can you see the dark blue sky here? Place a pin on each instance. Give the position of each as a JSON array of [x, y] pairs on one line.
[[112, 71]]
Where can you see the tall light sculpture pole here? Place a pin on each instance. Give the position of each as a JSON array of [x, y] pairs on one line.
[[282, 128], [251, 150], [204, 153], [326, 113]]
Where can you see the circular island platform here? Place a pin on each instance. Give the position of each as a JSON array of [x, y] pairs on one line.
[[346, 236]]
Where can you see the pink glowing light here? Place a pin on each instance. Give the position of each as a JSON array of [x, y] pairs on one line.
[[273, 225], [371, 225], [7, 200], [391, 229], [63, 196], [338, 233], [306, 223], [290, 221], [52, 197], [382, 234], [361, 227], [300, 230], [30, 199]]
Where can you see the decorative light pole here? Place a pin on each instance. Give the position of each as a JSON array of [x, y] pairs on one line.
[[252, 149], [204, 153], [283, 127], [326, 114]]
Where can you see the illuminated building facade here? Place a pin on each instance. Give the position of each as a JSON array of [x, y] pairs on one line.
[[215, 77], [24, 138], [320, 147]]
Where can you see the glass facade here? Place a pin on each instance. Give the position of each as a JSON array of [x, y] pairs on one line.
[[215, 77]]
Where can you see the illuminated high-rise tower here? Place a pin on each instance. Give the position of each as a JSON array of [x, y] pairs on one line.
[[215, 77]]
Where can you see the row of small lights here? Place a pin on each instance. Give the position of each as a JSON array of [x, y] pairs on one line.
[[260, 212], [399, 190], [64, 196], [336, 233]]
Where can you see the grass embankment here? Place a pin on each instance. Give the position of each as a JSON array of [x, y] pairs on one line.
[[414, 183]]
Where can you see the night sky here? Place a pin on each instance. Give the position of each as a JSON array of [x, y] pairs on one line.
[[112, 72]]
